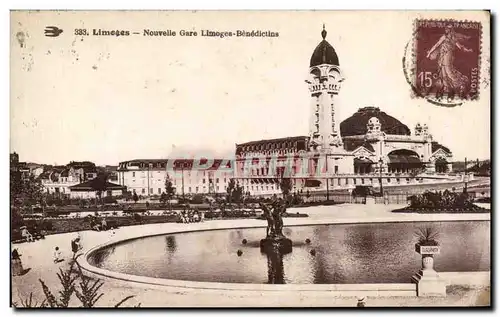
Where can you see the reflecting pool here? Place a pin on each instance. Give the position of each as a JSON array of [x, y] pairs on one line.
[[336, 254]]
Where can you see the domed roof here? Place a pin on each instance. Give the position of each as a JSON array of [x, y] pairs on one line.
[[324, 53], [356, 124]]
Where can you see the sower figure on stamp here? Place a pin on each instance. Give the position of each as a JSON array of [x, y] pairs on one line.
[[451, 80]]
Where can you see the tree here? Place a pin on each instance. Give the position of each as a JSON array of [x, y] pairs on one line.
[[169, 191], [234, 191], [163, 198], [25, 192], [238, 193], [231, 186], [127, 195], [99, 185], [286, 187]]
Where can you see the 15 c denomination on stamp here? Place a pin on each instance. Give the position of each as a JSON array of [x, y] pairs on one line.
[[447, 59]]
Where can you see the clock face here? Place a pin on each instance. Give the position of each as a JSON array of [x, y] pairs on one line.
[[334, 75]]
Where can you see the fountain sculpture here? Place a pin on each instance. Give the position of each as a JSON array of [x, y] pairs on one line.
[[275, 240]]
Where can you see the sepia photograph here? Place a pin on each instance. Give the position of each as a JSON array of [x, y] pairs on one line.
[[182, 159]]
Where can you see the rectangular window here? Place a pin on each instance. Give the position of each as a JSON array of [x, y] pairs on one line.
[[133, 174], [362, 181], [151, 190], [388, 180], [217, 188], [189, 189], [159, 191], [336, 169], [203, 179], [196, 188], [354, 181], [144, 190], [217, 181]]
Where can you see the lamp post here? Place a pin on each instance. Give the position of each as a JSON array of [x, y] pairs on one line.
[[465, 177], [182, 178], [380, 163], [326, 172]]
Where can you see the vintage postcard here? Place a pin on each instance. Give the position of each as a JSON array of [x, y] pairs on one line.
[[250, 159]]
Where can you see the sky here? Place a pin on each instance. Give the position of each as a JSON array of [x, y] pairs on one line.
[[109, 99]]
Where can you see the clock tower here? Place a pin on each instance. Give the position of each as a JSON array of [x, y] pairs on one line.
[[324, 82]]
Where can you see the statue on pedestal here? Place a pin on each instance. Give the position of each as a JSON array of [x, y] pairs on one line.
[[270, 220], [274, 231]]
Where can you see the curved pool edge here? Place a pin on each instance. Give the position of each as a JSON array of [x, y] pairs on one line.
[[401, 289]]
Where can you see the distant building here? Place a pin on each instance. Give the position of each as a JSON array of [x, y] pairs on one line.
[[147, 177], [25, 170], [112, 172], [58, 179], [95, 187]]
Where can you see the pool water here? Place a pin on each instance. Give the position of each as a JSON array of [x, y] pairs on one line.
[[343, 254]]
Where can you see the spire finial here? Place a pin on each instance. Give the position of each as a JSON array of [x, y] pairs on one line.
[[323, 33]]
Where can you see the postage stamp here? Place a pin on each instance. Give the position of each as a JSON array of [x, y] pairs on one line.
[[447, 58]]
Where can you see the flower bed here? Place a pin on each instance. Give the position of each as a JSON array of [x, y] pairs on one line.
[[442, 202]]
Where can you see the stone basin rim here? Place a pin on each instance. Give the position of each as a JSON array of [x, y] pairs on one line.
[[374, 287]]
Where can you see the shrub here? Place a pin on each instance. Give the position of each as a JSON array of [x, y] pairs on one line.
[[87, 292], [137, 217], [109, 200], [197, 199], [427, 236]]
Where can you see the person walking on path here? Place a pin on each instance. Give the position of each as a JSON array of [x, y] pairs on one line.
[[57, 255], [75, 246], [16, 264]]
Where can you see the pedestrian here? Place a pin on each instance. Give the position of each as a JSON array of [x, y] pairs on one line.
[[104, 225], [57, 255], [26, 234], [16, 264], [112, 234], [75, 246], [80, 240]]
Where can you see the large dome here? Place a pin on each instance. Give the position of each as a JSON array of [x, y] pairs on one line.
[[356, 124], [324, 53]]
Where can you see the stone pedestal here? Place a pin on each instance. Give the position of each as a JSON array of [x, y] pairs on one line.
[[280, 244], [427, 279]]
